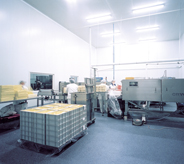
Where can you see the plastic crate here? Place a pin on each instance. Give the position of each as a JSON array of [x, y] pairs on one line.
[[55, 143], [54, 126]]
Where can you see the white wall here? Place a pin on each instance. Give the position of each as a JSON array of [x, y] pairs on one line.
[[182, 54], [31, 42], [136, 53]]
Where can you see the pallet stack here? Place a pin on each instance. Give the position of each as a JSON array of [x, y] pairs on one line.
[[53, 125], [21, 94], [14, 92], [101, 88], [17, 87], [6, 93], [81, 88]]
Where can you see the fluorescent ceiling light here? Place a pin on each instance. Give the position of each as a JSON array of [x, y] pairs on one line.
[[147, 28], [99, 18], [148, 39], [148, 8], [108, 34]]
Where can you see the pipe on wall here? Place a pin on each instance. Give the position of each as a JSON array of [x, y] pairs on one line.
[[110, 69], [142, 62]]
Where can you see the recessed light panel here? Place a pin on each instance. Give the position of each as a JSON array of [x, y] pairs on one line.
[[147, 39], [99, 18], [148, 8], [108, 34], [147, 28]]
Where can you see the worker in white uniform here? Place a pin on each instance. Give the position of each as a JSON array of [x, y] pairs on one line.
[[103, 99], [113, 85], [71, 88], [23, 85]]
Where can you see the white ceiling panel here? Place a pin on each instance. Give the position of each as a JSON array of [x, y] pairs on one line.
[[72, 15]]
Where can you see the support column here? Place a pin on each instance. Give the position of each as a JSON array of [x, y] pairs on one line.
[[90, 52], [95, 97], [113, 54]]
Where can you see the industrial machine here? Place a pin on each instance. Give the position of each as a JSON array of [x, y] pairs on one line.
[[49, 94], [46, 92], [62, 86], [162, 90], [63, 95], [86, 98]]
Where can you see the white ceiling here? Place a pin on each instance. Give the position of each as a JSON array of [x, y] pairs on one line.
[[72, 15]]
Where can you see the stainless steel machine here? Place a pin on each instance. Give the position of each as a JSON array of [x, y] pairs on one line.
[[173, 90], [46, 92], [62, 85], [86, 98], [162, 90], [141, 90], [49, 94], [83, 98], [63, 96]]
